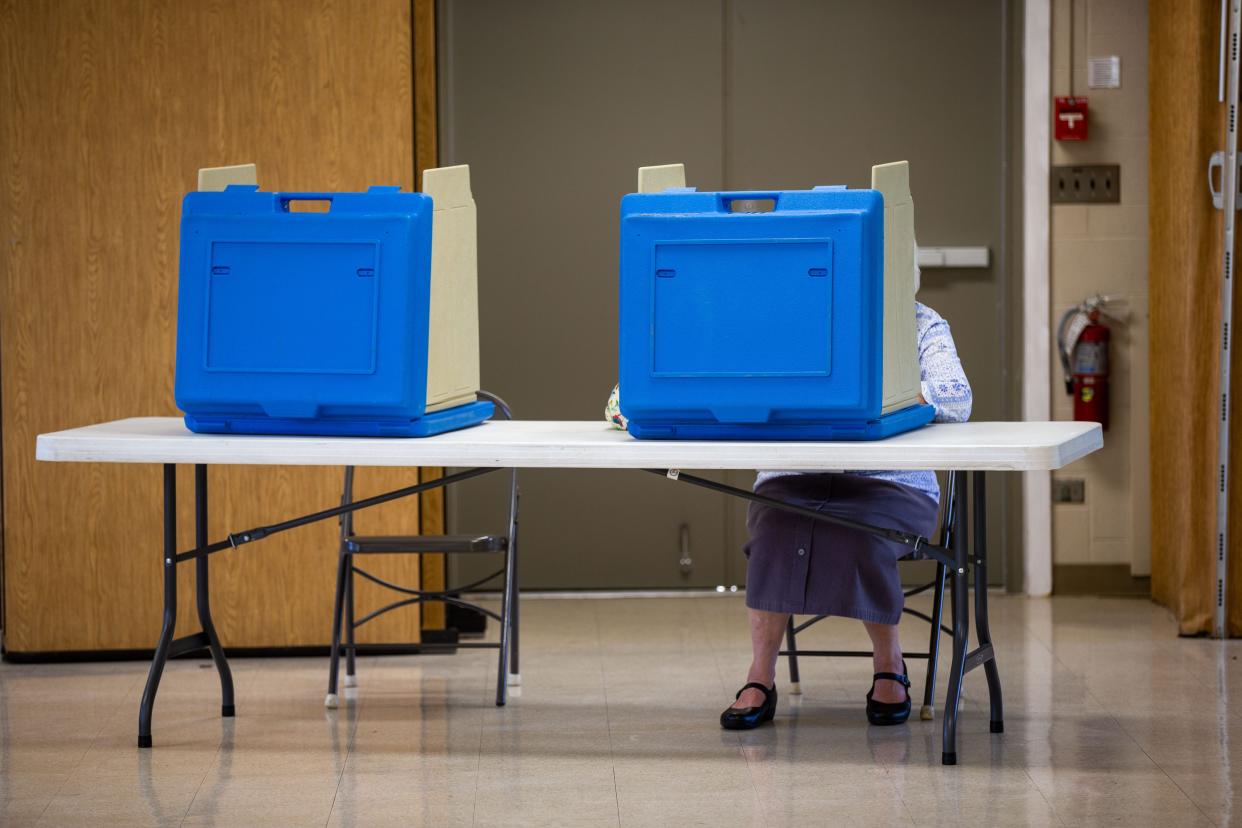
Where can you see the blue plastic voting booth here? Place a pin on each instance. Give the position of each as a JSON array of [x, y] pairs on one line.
[[296, 322], [758, 315]]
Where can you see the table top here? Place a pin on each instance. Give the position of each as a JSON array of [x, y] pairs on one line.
[[585, 445]]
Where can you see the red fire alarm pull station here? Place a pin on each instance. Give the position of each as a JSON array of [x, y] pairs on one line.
[[1071, 119]]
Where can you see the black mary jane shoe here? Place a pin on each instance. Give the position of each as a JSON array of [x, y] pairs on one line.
[[889, 713], [748, 718]]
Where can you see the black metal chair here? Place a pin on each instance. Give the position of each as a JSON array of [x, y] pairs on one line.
[[948, 525], [343, 619]]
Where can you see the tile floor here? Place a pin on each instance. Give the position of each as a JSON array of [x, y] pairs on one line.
[[1110, 719]]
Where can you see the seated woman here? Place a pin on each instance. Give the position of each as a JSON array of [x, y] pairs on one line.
[[802, 566]]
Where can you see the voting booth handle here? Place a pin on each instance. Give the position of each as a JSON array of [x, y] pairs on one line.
[[284, 200], [749, 202]]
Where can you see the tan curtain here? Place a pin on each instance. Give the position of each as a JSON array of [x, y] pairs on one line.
[[1187, 126]]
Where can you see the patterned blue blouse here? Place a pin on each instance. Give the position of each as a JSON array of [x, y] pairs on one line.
[[944, 385]]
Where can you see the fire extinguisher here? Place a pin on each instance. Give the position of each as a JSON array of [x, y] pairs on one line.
[[1082, 340]]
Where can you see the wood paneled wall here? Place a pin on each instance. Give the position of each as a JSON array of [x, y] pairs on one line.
[[1186, 127], [109, 109]]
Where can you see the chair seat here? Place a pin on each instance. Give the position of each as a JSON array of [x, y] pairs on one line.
[[426, 543]]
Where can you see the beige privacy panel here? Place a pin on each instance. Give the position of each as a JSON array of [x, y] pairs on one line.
[[217, 178], [901, 358], [453, 330], [659, 179]]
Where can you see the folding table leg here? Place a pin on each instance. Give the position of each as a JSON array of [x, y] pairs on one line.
[[202, 590], [928, 710], [515, 670], [997, 717], [147, 707], [514, 610], [961, 620]]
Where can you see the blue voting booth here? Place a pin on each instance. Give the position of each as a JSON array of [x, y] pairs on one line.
[[294, 322], [767, 315]]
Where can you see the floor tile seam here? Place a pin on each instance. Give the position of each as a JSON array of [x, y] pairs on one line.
[[215, 760], [1154, 763], [1153, 759], [42, 813], [603, 679], [737, 735], [1026, 772], [724, 687], [116, 712], [1182, 790], [349, 752], [900, 796], [478, 754]]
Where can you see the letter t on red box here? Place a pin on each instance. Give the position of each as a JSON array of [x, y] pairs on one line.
[[1070, 121]]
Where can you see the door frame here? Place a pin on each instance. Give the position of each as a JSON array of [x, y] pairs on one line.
[[1036, 309]]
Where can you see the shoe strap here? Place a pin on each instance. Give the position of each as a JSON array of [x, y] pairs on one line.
[[904, 681], [754, 685]]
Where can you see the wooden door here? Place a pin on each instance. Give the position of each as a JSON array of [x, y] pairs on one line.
[[1186, 246], [110, 108]]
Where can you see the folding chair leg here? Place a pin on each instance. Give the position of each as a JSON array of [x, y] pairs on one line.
[[338, 612], [928, 710], [960, 601], [795, 684], [351, 678]]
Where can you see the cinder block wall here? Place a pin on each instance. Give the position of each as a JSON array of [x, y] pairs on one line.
[[1103, 249]]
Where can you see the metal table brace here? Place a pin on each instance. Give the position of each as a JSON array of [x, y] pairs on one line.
[[957, 559]]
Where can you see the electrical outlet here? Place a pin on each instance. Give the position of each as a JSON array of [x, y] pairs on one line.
[[1069, 490], [1095, 184]]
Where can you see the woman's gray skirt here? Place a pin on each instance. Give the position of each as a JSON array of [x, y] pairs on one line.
[[808, 567]]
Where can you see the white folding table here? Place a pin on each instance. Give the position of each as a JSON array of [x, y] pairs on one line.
[[958, 448]]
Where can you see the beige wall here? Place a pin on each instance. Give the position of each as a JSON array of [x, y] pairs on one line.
[[1103, 249]]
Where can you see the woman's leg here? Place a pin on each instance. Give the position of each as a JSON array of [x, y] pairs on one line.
[[887, 659], [766, 631]]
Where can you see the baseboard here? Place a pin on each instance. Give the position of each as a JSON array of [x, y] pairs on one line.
[[1111, 580]]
